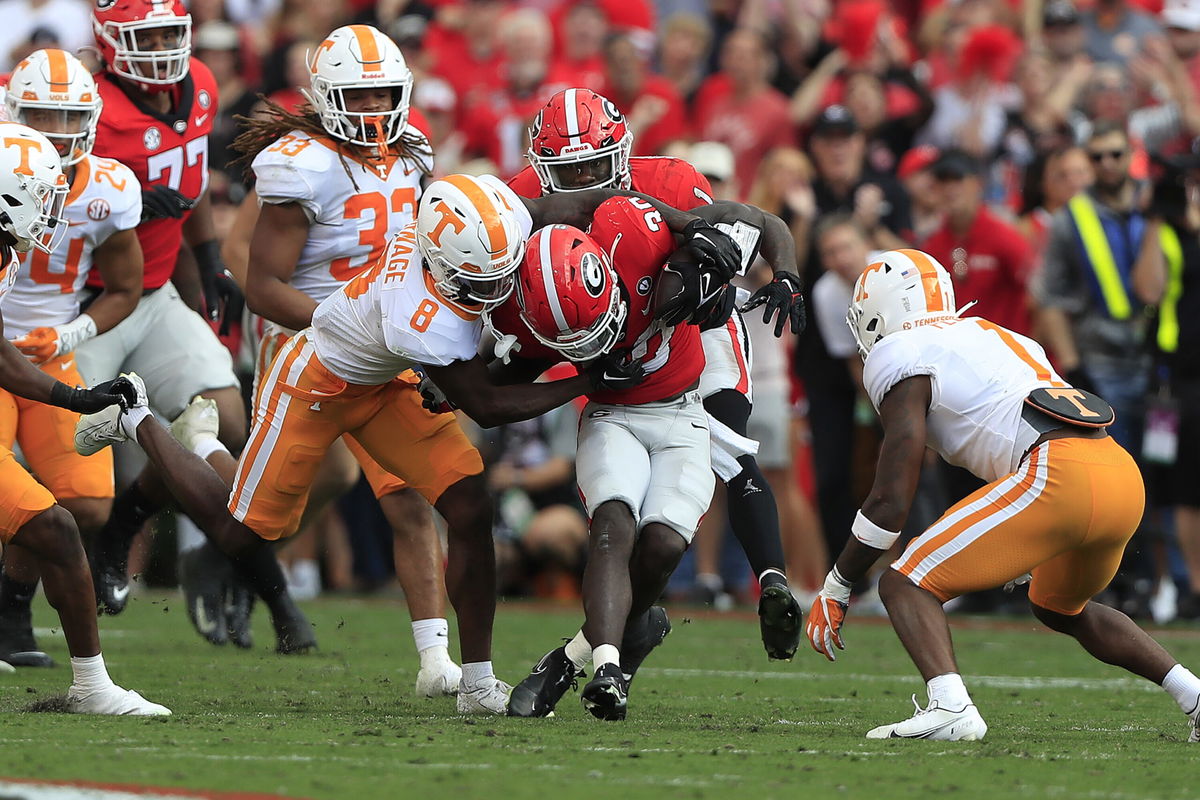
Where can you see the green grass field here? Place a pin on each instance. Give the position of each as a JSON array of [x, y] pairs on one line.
[[709, 717]]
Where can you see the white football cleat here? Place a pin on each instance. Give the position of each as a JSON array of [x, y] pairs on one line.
[[1194, 736], [197, 422], [938, 724], [115, 701], [94, 432], [489, 697], [439, 679]]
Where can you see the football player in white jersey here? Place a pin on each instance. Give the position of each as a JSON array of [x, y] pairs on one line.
[[53, 93], [350, 372], [334, 185], [1062, 501], [35, 190]]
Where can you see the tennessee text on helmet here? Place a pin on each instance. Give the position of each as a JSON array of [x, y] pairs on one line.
[[900, 290]]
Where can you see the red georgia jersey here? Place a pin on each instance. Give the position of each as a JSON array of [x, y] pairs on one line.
[[169, 148], [634, 235], [668, 180]]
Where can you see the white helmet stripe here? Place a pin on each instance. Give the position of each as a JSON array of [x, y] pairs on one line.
[[572, 117], [548, 282]]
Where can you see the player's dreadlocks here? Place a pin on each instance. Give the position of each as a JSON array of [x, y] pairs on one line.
[[263, 131]]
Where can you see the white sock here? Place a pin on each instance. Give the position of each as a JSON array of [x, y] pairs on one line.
[[90, 673], [132, 418], [1182, 685], [209, 445], [606, 654], [579, 652], [477, 672], [188, 534], [430, 633], [949, 692]]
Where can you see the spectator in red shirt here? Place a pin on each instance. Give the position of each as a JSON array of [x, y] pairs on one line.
[[496, 121], [653, 108], [463, 45], [683, 52], [988, 259], [739, 107], [581, 34]]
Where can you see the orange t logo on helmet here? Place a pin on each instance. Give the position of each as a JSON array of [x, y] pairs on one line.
[[26, 147]]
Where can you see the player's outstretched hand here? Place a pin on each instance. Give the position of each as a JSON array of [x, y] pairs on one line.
[[160, 201], [781, 296], [824, 625], [714, 249], [616, 372]]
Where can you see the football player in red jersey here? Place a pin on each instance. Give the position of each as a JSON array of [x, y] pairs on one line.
[[580, 140], [159, 104]]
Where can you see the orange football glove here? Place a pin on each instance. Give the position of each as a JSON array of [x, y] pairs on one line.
[[39, 345], [824, 625]]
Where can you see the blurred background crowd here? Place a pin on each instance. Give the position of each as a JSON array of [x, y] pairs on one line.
[[1042, 151]]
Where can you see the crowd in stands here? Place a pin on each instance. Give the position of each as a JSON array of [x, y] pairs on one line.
[[1042, 151]]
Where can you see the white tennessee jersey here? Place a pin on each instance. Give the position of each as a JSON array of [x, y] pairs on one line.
[[354, 207], [105, 198], [390, 318], [980, 375]]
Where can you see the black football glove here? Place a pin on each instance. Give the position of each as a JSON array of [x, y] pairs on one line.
[[223, 298], [781, 296], [716, 312], [714, 249], [118, 391], [616, 372], [433, 398], [160, 201]]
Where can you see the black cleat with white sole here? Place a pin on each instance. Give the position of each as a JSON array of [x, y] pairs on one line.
[[204, 575], [779, 621], [607, 693], [641, 637], [547, 682]]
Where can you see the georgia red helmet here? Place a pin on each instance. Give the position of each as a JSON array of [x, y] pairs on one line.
[[146, 41], [579, 140], [568, 294]]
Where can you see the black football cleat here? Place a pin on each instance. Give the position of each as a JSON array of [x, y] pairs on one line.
[[293, 632], [17, 645], [779, 619], [641, 637], [607, 694], [204, 575], [238, 607], [547, 682], [110, 575]]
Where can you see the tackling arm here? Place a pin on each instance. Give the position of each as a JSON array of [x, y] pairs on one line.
[[468, 385]]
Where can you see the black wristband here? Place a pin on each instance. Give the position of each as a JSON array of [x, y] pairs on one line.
[[208, 255], [65, 396]]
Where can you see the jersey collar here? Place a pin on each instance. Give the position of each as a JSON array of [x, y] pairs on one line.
[[183, 101]]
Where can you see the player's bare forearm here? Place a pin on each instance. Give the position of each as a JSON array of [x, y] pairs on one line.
[[119, 260], [901, 454], [468, 386], [517, 370], [577, 208], [19, 376], [278, 302]]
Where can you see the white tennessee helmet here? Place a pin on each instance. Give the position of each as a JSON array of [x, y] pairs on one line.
[[901, 289], [359, 57], [33, 189], [471, 239], [52, 92]]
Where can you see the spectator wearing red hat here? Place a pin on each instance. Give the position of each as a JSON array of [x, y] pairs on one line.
[[916, 174], [739, 107], [652, 106], [989, 260]]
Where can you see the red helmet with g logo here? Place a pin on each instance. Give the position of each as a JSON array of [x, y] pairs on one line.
[[146, 41], [569, 295], [578, 141]]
